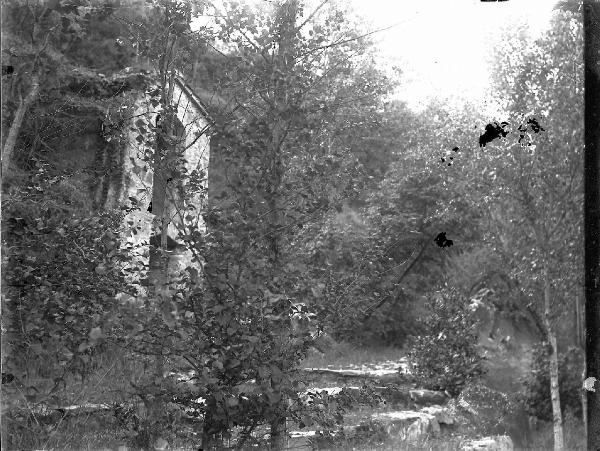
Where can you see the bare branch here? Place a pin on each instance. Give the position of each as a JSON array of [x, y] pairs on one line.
[[323, 3], [345, 41]]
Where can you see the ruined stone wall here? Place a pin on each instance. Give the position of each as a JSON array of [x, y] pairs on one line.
[[108, 168], [137, 182]]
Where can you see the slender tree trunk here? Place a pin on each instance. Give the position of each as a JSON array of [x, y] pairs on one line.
[[578, 323], [580, 342], [283, 65], [212, 428], [15, 127], [554, 382], [278, 434], [591, 33], [155, 406], [159, 260], [277, 424]]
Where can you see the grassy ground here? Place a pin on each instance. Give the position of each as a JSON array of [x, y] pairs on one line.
[[574, 436], [542, 441]]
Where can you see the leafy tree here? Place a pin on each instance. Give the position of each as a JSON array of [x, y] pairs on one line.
[[532, 188], [307, 135], [381, 248], [244, 274], [105, 46], [44, 41]]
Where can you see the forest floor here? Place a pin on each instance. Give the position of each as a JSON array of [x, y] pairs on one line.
[[377, 426]]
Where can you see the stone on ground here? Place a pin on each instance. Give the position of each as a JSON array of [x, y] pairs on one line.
[[497, 443], [161, 445], [441, 414], [415, 424], [428, 397], [426, 425]]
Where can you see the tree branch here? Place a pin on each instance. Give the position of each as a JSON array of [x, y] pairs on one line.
[[323, 3], [369, 312], [344, 41], [15, 127]]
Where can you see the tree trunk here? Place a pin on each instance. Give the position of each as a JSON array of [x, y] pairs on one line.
[[283, 65], [15, 127], [212, 427], [554, 382], [580, 341], [155, 405], [578, 331], [278, 434], [159, 262], [591, 38]]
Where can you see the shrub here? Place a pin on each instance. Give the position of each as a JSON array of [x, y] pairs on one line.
[[490, 411], [445, 357], [61, 277]]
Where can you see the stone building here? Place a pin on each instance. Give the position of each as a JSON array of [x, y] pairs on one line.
[[96, 140], [168, 187]]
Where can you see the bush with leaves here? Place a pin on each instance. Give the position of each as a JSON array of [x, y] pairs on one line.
[[245, 351], [536, 399], [62, 271], [62, 267], [445, 356]]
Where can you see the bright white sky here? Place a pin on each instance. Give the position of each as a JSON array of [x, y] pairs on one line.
[[441, 46]]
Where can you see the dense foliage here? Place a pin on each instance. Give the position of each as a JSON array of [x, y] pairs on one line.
[[228, 317], [446, 357], [324, 206]]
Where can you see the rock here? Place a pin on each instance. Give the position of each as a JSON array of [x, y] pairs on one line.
[[331, 391], [416, 431], [382, 375], [497, 443], [299, 434], [406, 416], [307, 397], [422, 427], [441, 414], [428, 397], [161, 445], [417, 423], [115, 446], [394, 395]]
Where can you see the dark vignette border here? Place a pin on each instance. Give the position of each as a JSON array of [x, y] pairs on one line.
[[591, 30]]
